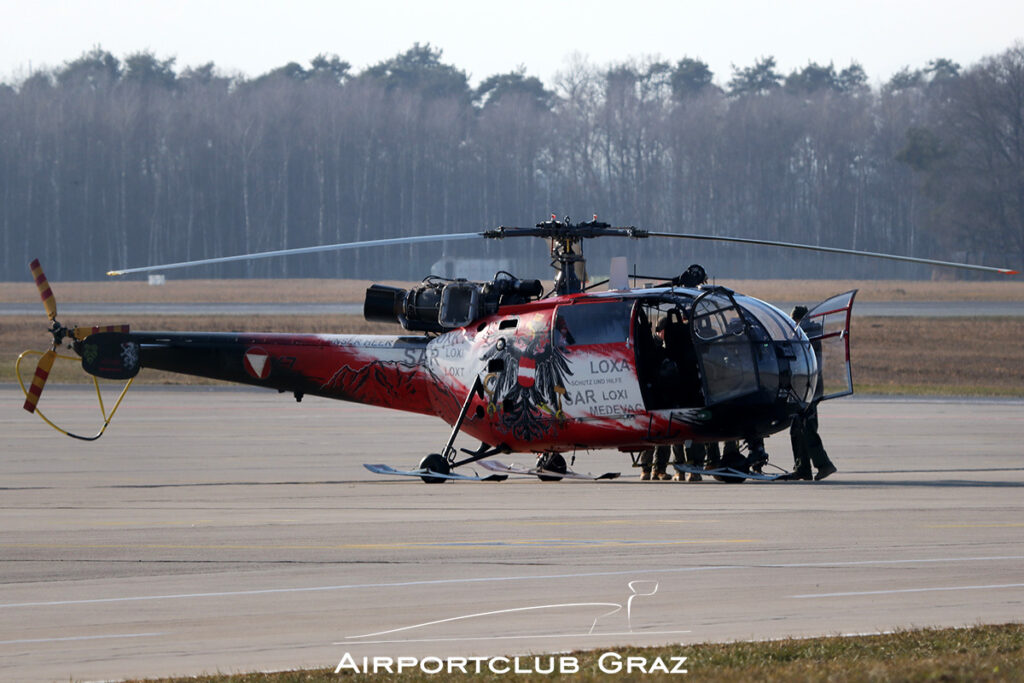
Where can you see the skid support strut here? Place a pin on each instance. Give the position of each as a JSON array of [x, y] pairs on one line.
[[448, 453]]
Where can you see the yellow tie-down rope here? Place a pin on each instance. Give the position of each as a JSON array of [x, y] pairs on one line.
[[99, 395]]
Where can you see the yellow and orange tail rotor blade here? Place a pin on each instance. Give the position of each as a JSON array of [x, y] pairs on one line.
[[42, 372], [44, 289], [81, 333]]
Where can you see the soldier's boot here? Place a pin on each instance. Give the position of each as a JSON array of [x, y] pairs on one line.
[[645, 474], [757, 457], [698, 462], [661, 475], [823, 471]]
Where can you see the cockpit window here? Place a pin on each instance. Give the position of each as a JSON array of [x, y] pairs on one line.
[[599, 323]]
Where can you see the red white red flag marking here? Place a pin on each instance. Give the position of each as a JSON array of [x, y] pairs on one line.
[[257, 363], [527, 371]]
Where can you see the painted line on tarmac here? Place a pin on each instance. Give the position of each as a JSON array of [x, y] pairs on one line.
[[528, 636], [510, 610], [500, 579], [909, 590], [525, 543], [994, 525], [67, 639], [609, 522]]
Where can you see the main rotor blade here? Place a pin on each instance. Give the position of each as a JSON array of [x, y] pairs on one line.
[[303, 250], [835, 250], [49, 301]]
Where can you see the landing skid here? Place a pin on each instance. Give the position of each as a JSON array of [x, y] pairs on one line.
[[495, 466], [728, 473], [423, 472]]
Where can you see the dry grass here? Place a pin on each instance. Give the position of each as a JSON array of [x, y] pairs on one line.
[[351, 291], [957, 356], [1009, 289], [938, 355]]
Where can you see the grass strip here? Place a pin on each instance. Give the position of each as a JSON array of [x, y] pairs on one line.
[[980, 653]]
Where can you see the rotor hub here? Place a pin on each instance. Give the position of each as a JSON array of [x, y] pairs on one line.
[[567, 245]]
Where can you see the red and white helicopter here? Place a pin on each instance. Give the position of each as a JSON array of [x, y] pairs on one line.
[[523, 372]]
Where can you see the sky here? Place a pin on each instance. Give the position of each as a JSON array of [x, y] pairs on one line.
[[484, 37]]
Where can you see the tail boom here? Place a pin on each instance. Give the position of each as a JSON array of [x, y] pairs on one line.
[[376, 370]]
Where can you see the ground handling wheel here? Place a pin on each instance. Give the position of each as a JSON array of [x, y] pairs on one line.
[[553, 462], [435, 462]]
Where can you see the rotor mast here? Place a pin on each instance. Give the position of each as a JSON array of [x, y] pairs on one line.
[[567, 245]]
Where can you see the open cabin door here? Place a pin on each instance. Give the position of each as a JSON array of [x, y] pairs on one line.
[[827, 326]]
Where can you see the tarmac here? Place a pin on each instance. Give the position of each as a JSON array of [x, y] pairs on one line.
[[230, 530]]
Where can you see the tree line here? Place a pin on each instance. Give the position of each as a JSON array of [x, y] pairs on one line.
[[108, 163]]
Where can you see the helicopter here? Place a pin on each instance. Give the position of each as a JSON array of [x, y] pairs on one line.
[[521, 370]]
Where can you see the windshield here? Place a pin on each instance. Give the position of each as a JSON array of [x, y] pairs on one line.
[[778, 324], [746, 346]]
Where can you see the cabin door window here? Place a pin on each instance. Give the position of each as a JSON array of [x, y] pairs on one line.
[[724, 347]]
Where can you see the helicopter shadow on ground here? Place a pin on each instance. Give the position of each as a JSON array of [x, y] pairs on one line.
[[858, 483], [855, 479], [914, 483]]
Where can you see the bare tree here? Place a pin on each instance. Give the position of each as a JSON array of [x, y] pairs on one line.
[[105, 163]]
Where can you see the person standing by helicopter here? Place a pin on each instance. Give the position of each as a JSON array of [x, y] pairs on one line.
[[654, 462], [695, 455], [808, 449]]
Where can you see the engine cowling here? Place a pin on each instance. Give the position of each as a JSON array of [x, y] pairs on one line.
[[439, 305]]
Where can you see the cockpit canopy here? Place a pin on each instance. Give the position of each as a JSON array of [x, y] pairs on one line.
[[722, 348]]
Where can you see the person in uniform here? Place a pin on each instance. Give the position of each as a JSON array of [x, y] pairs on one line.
[[695, 455], [654, 462], [808, 449]]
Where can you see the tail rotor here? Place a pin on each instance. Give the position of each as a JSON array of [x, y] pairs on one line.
[[46, 360], [39, 379], [49, 301], [59, 332]]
